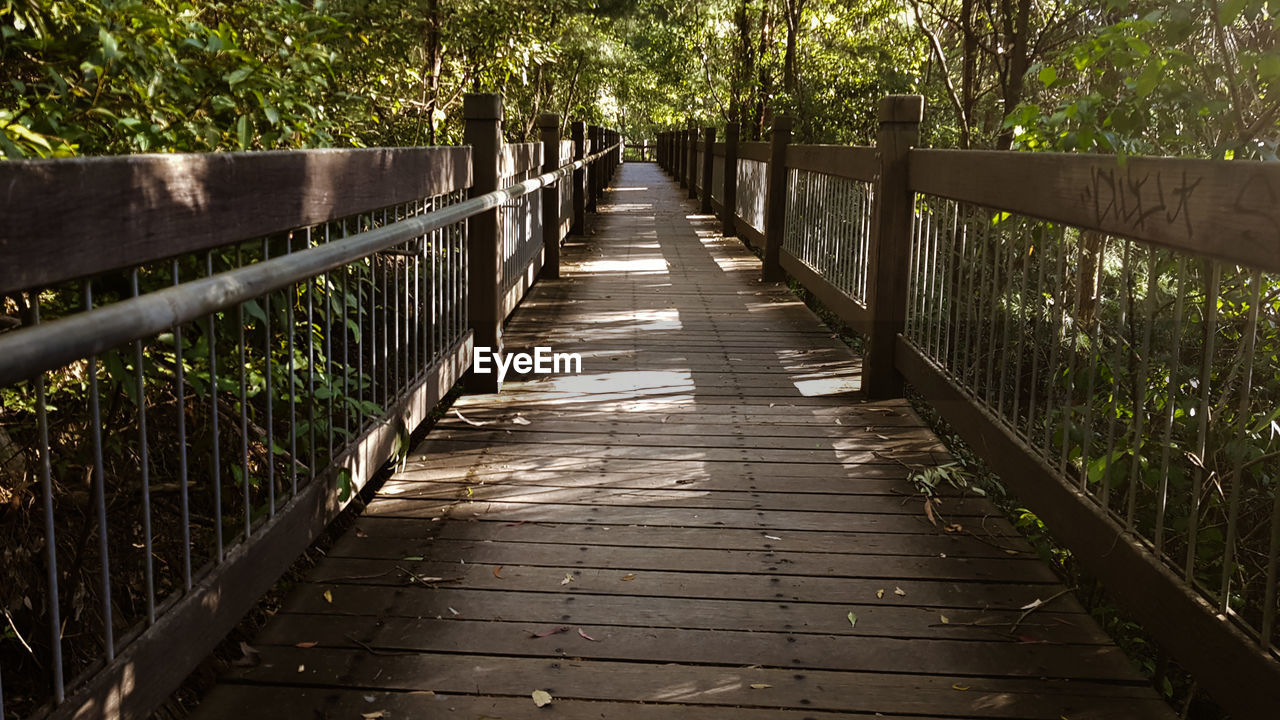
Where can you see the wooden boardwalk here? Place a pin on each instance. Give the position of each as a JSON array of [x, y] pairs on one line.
[[704, 524]]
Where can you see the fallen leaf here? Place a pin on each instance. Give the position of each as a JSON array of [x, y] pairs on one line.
[[361, 534], [328, 597], [760, 686], [541, 698], [928, 512], [248, 656], [412, 558], [549, 633], [628, 576], [773, 537], [568, 578], [497, 572], [585, 636], [1032, 605], [302, 668], [476, 423], [373, 715], [899, 591], [309, 644], [958, 686], [853, 620], [520, 421], [880, 593], [944, 619], [455, 612]]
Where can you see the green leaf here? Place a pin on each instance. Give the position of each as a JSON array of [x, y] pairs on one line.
[[239, 76], [853, 620], [110, 49], [244, 132], [1150, 78], [1048, 75]]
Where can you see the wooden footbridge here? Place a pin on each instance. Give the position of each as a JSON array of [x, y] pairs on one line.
[[724, 512]]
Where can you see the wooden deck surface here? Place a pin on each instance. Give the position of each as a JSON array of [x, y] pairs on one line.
[[704, 524]]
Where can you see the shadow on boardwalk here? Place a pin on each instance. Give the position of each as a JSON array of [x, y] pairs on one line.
[[706, 522]]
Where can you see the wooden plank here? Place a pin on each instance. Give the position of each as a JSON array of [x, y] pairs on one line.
[[758, 151], [764, 519], [852, 651], [151, 207], [855, 314], [846, 161], [936, 594], [775, 563], [1245, 679], [916, 439], [926, 543], [695, 613], [519, 158], [420, 496], [251, 702], [719, 687], [1229, 210]]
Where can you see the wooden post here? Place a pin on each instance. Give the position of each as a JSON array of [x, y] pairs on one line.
[[900, 117], [483, 132], [593, 170], [549, 123], [728, 227], [579, 130], [692, 168], [775, 207], [708, 168]]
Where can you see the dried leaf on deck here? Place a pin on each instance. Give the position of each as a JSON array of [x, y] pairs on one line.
[[900, 592], [568, 578], [497, 572], [760, 686], [308, 644], [585, 636], [628, 576], [328, 596], [541, 698], [880, 593]]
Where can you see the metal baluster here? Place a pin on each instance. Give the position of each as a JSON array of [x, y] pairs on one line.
[[1242, 415], [1117, 386], [1004, 310], [1170, 406], [267, 377], [144, 468], [312, 410], [244, 412], [1214, 271], [1059, 336], [183, 493], [215, 465], [293, 378], [50, 532], [100, 492], [1139, 384]]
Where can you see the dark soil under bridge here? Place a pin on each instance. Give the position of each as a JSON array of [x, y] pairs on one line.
[[707, 522]]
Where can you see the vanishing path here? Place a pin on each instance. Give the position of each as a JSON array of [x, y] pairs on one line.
[[681, 531]]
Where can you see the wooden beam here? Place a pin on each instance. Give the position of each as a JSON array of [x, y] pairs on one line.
[[68, 219], [853, 162], [1226, 210]]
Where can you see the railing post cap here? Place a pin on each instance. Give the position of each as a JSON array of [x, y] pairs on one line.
[[482, 106], [901, 109], [549, 120]]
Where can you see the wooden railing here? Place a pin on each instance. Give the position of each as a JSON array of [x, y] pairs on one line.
[[1103, 332], [223, 350]]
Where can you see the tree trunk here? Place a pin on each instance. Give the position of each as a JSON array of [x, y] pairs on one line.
[[434, 61], [763, 90], [794, 9]]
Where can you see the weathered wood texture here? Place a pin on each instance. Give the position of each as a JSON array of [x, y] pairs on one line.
[[855, 162], [1228, 210], [143, 208], [683, 530]]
